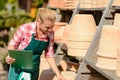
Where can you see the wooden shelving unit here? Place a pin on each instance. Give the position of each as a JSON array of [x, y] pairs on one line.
[[91, 57]]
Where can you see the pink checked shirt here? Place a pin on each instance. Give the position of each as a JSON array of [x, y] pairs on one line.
[[23, 36]]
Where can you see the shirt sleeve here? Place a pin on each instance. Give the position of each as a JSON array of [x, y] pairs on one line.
[[17, 37], [49, 52]]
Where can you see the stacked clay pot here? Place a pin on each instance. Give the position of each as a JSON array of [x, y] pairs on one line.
[[59, 29], [93, 3], [107, 49], [116, 3], [66, 34], [71, 4], [118, 62], [117, 19], [81, 33], [117, 23]]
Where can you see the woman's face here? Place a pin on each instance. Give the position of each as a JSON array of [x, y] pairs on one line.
[[45, 26]]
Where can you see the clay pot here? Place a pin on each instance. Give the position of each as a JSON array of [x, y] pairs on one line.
[[106, 63], [83, 23], [116, 3], [109, 41], [77, 52], [117, 19], [59, 34], [71, 4], [53, 3], [58, 25], [81, 34], [66, 34], [107, 49], [118, 62], [79, 44]]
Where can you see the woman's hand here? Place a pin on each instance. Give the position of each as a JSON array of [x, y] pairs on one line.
[[10, 60], [60, 77]]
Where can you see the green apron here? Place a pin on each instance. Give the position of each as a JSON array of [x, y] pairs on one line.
[[37, 47]]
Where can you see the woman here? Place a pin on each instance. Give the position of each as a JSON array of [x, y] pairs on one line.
[[36, 36]]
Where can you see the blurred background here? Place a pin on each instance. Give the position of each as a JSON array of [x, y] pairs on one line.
[[12, 14]]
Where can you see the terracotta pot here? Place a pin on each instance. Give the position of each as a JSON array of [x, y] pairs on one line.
[[106, 63], [59, 34], [80, 36], [53, 3], [117, 19], [76, 52], [66, 34], [79, 44], [99, 3], [109, 41], [58, 25], [83, 23], [116, 3], [118, 62], [71, 4]]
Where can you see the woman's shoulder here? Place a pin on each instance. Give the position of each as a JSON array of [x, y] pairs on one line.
[[28, 26]]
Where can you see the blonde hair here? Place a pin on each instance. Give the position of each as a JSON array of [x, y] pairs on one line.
[[45, 13]]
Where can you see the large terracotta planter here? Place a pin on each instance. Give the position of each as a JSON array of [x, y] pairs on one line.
[[106, 63], [77, 52], [118, 62], [59, 34], [71, 4], [116, 3], [117, 19], [59, 30], [107, 49], [58, 25], [83, 23], [79, 44], [81, 33], [66, 34], [80, 36], [109, 41]]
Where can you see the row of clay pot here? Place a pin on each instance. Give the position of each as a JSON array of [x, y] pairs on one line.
[[71, 4], [108, 50], [78, 35], [81, 33]]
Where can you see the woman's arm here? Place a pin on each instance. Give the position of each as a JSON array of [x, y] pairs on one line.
[[52, 63]]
